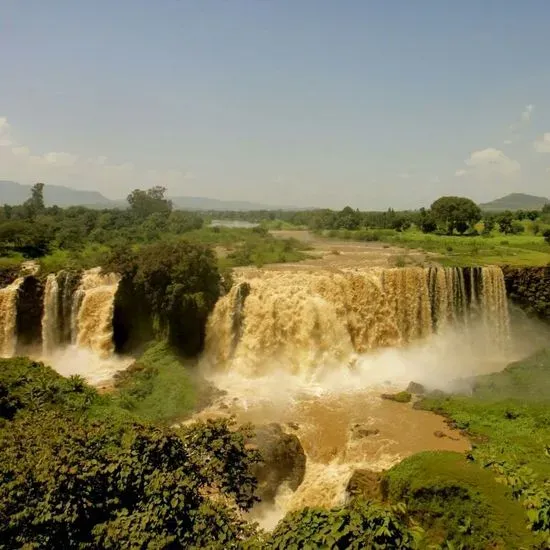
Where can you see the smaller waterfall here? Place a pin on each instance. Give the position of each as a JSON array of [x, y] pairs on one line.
[[92, 311], [51, 337], [8, 318]]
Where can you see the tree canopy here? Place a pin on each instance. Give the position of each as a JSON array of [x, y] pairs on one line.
[[456, 213]]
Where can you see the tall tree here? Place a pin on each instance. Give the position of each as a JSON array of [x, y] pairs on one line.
[[456, 213], [35, 204], [144, 203]]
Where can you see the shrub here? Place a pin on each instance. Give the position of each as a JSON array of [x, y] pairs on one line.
[[362, 525]]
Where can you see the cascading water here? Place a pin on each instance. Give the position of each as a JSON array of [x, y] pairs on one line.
[[313, 350], [8, 318], [50, 319], [92, 312], [305, 320]]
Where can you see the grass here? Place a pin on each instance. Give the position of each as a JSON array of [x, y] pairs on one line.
[[159, 387], [517, 250], [458, 502], [462, 251]]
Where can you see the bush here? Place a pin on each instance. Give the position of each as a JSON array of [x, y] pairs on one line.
[[361, 525]]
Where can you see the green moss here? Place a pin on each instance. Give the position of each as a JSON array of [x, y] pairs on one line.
[[456, 500]]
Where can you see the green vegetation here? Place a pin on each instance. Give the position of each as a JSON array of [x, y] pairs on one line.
[[360, 525], [159, 387], [68, 481], [457, 502], [508, 415], [80, 237]]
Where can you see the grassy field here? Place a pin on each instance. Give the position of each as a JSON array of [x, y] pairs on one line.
[[497, 249], [516, 250]]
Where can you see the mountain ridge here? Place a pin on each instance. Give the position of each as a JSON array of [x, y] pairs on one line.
[[516, 201], [14, 193]]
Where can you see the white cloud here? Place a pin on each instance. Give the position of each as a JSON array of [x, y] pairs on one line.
[[489, 162], [435, 179], [508, 142], [20, 164], [5, 134], [527, 112], [542, 145], [404, 175]]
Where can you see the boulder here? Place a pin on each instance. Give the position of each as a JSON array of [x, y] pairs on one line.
[[365, 484], [416, 388], [400, 397], [283, 460], [359, 431]]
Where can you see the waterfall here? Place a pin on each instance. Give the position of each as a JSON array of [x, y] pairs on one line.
[[92, 311], [8, 318], [310, 320], [51, 337]]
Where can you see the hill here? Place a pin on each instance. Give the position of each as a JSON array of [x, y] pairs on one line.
[[16, 193], [516, 201]]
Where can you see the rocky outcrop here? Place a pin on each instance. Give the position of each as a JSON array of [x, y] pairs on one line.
[[529, 287], [365, 484], [416, 388], [29, 313], [400, 397], [283, 460]]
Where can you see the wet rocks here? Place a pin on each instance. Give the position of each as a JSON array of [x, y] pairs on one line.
[[365, 484], [400, 397], [360, 431], [283, 460], [416, 388]]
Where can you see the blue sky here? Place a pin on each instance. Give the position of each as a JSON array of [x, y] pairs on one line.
[[298, 102]]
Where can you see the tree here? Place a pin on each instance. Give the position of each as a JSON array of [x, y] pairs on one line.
[[35, 204], [426, 221], [505, 221], [489, 224], [144, 203], [546, 236], [456, 213]]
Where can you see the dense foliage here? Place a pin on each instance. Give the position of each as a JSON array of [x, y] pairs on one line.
[[67, 481], [360, 525]]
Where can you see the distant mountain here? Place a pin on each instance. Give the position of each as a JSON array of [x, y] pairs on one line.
[[16, 193], [516, 201], [202, 203]]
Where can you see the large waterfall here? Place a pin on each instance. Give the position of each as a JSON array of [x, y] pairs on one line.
[[8, 318], [304, 320]]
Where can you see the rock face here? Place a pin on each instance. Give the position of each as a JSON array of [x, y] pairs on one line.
[[529, 287], [283, 459], [29, 313], [364, 483], [359, 431], [416, 388]]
